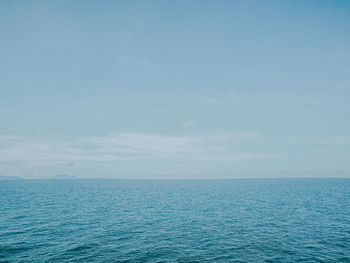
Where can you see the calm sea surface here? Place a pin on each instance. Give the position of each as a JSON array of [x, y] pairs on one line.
[[267, 220]]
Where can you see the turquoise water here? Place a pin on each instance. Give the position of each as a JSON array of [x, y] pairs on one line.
[[267, 220]]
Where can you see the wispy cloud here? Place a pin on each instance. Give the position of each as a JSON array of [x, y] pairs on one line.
[[139, 63], [188, 124], [341, 85], [217, 146], [334, 140]]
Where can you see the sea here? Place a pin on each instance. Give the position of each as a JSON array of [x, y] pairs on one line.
[[239, 220]]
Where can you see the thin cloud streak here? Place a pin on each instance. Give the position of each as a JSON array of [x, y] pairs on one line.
[[335, 140], [130, 147]]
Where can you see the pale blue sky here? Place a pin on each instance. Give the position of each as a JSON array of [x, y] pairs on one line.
[[175, 89]]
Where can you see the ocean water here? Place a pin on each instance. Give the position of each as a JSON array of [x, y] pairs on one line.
[[253, 220]]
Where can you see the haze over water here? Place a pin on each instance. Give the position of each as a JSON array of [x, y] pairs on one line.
[[254, 220]]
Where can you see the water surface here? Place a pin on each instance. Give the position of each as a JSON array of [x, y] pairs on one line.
[[253, 220]]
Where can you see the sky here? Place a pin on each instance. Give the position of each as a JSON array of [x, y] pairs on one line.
[[175, 89]]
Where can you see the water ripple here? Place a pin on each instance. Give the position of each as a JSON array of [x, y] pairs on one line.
[[175, 221]]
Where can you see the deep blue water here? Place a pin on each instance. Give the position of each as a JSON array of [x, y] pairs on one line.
[[267, 220]]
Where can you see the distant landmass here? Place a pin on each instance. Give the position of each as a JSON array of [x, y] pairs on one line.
[[3, 177], [64, 176]]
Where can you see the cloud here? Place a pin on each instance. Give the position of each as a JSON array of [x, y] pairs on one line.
[[341, 85], [139, 63], [188, 124], [219, 146], [335, 140]]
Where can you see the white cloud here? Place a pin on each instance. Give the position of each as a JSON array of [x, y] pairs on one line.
[[188, 124], [217, 146], [335, 140]]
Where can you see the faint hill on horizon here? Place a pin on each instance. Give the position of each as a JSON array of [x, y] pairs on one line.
[[4, 177], [64, 176]]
